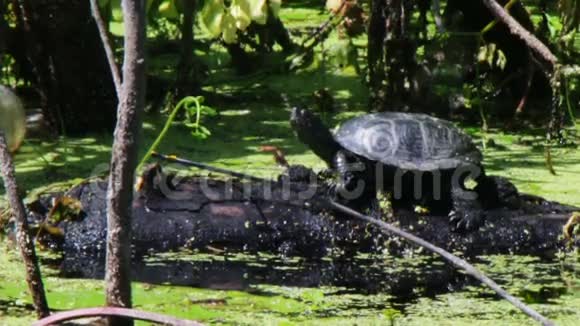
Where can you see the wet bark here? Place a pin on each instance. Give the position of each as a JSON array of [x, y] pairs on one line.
[[25, 242]]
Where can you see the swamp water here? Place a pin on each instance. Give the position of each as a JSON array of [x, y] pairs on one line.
[[239, 289]]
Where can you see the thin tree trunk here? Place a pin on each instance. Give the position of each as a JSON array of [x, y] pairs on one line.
[[184, 84], [26, 244], [124, 161]]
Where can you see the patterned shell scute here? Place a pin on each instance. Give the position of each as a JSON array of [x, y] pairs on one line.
[[408, 141]]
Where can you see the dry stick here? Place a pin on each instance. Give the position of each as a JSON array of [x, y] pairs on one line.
[[33, 276], [458, 262], [517, 29], [530, 74], [117, 312], [103, 32]]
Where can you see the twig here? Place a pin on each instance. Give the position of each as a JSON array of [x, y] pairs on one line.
[[458, 262], [103, 32], [115, 312], [517, 29], [207, 167], [320, 29], [26, 244], [530, 74]]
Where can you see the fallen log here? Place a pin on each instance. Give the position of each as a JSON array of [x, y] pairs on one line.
[[284, 217]]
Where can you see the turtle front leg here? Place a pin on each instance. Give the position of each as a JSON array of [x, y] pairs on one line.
[[355, 186], [467, 213]]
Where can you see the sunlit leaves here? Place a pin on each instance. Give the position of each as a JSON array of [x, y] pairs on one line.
[[259, 11], [570, 14], [492, 55], [226, 21], [212, 15], [194, 110], [240, 10], [168, 9], [229, 29]]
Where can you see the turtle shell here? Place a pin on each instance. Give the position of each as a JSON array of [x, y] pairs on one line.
[[409, 141]]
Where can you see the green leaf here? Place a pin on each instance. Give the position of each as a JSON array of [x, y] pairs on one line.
[[208, 111], [230, 32], [501, 59], [259, 11], [116, 11], [212, 16], [168, 9], [241, 11], [204, 130]]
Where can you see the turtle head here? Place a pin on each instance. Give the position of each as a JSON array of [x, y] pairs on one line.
[[312, 132]]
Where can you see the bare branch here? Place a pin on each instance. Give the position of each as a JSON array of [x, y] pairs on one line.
[[517, 29], [26, 244], [103, 32]]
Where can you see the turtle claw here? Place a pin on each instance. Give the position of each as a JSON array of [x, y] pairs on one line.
[[465, 221]]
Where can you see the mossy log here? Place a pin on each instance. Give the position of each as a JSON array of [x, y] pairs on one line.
[[291, 218]]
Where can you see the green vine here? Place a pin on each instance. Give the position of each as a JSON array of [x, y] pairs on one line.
[[193, 111]]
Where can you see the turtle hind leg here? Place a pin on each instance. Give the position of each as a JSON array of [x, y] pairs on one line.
[[467, 213]]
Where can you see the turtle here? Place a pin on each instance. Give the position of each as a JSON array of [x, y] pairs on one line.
[[380, 149]]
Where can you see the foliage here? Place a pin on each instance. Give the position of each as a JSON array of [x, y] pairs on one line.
[[193, 110], [226, 20]]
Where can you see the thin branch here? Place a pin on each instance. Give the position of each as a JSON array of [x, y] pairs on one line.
[[26, 244], [458, 262], [103, 32], [517, 29], [324, 26], [114, 312]]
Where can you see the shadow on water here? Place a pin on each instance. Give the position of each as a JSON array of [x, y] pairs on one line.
[[358, 275], [404, 280]]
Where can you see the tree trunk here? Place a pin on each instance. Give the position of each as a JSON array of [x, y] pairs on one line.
[[26, 244], [124, 161], [70, 69], [185, 68], [391, 54]]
